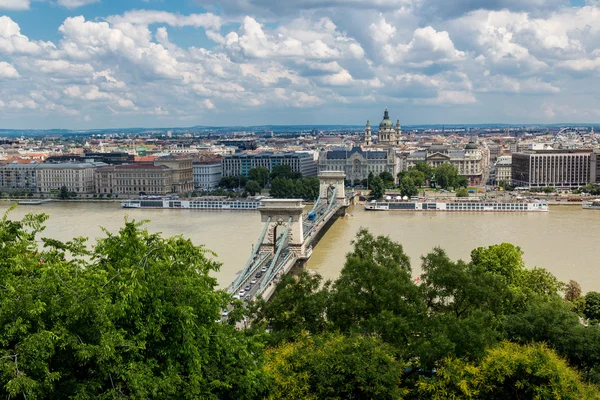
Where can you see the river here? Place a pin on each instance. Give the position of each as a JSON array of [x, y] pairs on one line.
[[564, 241]]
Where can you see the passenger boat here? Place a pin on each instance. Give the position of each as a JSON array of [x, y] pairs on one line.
[[197, 203], [460, 205], [33, 202], [375, 206], [592, 205]]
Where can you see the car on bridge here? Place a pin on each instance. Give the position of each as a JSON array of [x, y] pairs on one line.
[[242, 293], [247, 288], [253, 281]]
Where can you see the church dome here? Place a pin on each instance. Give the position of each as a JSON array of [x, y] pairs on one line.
[[386, 123], [471, 146]]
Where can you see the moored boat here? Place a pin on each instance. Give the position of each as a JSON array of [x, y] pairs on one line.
[[592, 205], [197, 203], [459, 205]]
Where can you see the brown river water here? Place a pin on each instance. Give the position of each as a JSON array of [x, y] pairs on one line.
[[566, 240]]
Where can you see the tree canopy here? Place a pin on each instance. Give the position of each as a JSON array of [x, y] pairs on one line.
[[137, 316]]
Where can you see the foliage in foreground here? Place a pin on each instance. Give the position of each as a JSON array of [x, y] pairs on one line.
[[136, 317], [509, 371], [455, 313]]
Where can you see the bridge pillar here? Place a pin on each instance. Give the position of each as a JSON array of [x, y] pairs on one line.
[[280, 211], [332, 179]]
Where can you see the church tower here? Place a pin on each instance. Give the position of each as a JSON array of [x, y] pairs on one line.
[[367, 139], [386, 133]]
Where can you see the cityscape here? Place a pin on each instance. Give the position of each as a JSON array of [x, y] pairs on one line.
[[309, 200]]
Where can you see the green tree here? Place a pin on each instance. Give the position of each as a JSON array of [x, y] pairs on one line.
[[375, 292], [284, 171], [464, 302], [446, 176], [462, 181], [425, 168], [509, 371], [408, 187], [462, 192], [592, 305], [377, 187], [548, 189], [334, 366], [136, 317], [298, 305], [233, 182], [505, 260], [252, 187], [64, 193], [387, 178], [260, 175]]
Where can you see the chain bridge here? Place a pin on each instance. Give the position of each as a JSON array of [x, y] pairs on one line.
[[288, 236]]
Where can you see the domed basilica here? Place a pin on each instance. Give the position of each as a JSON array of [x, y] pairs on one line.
[[387, 134]]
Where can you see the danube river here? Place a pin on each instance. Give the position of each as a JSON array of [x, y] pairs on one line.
[[565, 240]]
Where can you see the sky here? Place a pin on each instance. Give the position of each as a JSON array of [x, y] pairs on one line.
[[82, 64]]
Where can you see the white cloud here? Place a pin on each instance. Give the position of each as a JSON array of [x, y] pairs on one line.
[[381, 31], [75, 3], [14, 5], [13, 42], [148, 17], [64, 68], [8, 71], [300, 39], [581, 65], [427, 47]]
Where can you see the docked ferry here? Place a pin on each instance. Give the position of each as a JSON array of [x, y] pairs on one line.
[[592, 205], [475, 205], [198, 203]]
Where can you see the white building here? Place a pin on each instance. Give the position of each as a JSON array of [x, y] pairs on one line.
[[76, 177], [503, 169], [207, 175]]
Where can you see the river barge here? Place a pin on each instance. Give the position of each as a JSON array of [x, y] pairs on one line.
[[459, 205], [197, 203]]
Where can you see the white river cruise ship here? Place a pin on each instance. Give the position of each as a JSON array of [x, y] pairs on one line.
[[466, 204], [196, 203]]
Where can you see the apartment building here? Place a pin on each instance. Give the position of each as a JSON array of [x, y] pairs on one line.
[[18, 176]]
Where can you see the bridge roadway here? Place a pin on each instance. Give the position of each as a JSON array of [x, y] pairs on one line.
[[264, 270]]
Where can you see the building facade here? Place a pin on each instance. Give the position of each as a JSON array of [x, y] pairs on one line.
[[207, 174], [242, 163], [77, 177], [595, 166], [134, 179], [470, 162], [358, 163], [555, 168], [183, 172], [503, 169], [15, 177]]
